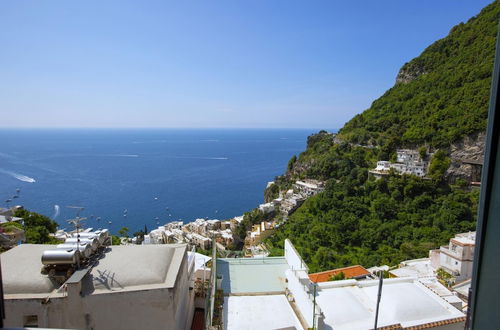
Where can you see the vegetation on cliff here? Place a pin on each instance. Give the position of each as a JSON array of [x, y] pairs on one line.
[[444, 93], [37, 227], [360, 220]]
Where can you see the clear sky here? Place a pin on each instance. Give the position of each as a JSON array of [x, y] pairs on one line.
[[252, 63]]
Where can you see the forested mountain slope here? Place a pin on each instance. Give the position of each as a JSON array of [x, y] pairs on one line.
[[439, 98]]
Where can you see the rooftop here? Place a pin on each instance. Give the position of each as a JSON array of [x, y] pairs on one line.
[[6, 219], [128, 267], [465, 238], [252, 275], [351, 304], [414, 268], [200, 260], [349, 272], [463, 288], [259, 312]]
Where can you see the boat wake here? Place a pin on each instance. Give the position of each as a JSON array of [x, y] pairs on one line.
[[18, 176], [2, 154], [56, 212], [123, 155]]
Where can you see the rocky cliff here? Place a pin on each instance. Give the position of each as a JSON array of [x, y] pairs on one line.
[[467, 158], [409, 72]]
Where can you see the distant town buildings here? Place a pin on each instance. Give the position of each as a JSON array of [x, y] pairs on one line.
[[267, 208], [199, 233], [256, 236], [10, 234], [309, 187], [203, 232], [407, 162]]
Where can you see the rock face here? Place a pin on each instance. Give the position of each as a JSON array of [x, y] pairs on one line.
[[467, 158], [409, 72]]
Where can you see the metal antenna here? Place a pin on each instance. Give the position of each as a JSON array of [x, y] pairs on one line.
[[77, 223], [379, 295], [314, 306]]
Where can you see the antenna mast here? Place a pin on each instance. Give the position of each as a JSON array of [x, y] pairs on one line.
[[77, 223]]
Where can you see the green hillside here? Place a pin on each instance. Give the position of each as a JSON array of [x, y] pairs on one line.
[[440, 96], [360, 220], [445, 95]]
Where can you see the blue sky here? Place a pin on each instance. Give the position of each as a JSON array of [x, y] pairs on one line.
[[259, 63]]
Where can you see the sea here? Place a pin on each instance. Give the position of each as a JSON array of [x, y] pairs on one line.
[[139, 178]]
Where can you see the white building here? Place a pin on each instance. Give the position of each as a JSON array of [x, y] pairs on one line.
[[9, 218], [408, 155], [266, 208], [408, 162], [200, 241], [456, 258], [309, 187], [279, 294], [291, 202], [130, 287]]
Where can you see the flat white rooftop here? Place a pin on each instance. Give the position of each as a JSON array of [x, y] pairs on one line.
[[414, 268], [259, 312], [351, 304], [466, 238], [252, 275], [127, 267]]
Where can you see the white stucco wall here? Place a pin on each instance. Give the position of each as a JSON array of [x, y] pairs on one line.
[[144, 308], [292, 257]]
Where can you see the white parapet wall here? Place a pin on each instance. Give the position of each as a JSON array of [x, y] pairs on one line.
[[293, 258], [300, 287], [302, 290]]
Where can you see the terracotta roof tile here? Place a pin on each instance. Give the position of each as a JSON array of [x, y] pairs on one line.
[[349, 272]]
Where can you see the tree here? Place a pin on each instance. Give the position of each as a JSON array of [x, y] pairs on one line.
[[115, 240], [123, 232], [37, 227], [291, 162], [422, 151], [440, 162]]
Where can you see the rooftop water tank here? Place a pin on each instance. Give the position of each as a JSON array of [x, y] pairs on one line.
[[94, 243], [85, 249], [60, 257]]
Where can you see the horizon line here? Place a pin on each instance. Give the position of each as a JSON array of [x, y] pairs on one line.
[[157, 128]]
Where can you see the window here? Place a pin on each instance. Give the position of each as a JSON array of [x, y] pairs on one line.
[[30, 321], [453, 247]]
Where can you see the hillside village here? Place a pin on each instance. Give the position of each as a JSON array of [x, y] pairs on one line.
[[373, 223]]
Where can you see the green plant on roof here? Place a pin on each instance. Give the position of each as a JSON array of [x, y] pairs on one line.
[[337, 277]]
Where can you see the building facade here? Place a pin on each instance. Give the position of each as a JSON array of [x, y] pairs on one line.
[[456, 258], [130, 287]]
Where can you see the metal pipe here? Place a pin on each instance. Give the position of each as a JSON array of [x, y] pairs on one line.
[[314, 307], [379, 295]]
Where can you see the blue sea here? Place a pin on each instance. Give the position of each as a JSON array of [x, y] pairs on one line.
[[132, 178]]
